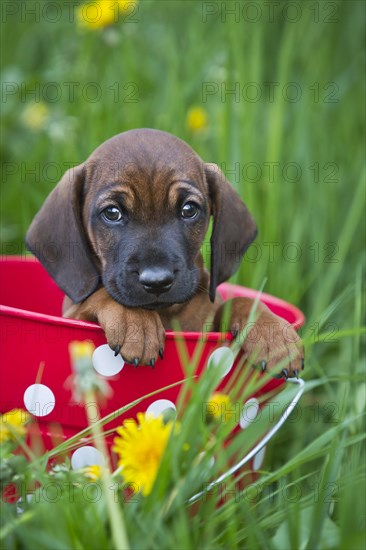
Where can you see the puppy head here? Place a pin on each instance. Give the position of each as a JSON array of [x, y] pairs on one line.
[[133, 217]]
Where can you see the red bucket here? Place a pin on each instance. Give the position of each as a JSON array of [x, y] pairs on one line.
[[33, 333]]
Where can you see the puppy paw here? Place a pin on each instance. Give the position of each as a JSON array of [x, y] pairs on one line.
[[138, 335], [270, 343]]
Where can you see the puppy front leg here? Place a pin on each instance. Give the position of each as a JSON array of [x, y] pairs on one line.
[[267, 341], [137, 334]]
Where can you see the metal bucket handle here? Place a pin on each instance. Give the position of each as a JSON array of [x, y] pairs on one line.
[[259, 446]]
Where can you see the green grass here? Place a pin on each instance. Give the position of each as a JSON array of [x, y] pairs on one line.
[[309, 214]]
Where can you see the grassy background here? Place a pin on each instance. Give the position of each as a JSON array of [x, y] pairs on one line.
[[309, 206]]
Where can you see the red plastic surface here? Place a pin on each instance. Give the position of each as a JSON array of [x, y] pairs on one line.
[[32, 332]]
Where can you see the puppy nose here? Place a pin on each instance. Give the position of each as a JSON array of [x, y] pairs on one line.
[[156, 280]]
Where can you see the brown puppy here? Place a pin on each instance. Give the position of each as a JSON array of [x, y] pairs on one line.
[[121, 235]]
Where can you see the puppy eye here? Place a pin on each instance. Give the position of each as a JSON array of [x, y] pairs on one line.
[[112, 214], [190, 210]]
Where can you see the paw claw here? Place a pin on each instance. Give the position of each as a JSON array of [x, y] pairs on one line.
[[302, 363], [284, 372], [161, 353], [263, 365], [296, 373], [234, 332], [136, 362], [116, 350], [152, 363]]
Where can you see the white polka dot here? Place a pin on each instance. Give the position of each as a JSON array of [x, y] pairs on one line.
[[20, 503], [39, 400], [86, 456], [258, 459], [249, 412], [222, 358], [161, 406], [105, 362]]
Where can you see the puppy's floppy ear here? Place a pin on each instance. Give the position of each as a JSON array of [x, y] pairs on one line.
[[57, 238], [233, 227]]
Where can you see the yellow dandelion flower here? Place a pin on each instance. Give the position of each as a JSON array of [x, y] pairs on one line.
[[197, 119], [219, 407], [140, 448], [93, 472], [85, 382], [12, 424], [102, 13], [81, 350], [35, 116]]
